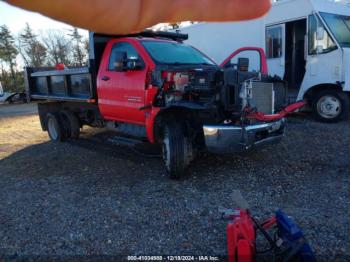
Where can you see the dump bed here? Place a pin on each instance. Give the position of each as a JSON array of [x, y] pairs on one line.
[[73, 84]]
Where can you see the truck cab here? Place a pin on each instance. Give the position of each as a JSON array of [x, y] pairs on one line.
[[147, 57]]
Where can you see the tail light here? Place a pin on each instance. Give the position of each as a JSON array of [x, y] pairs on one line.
[[60, 66]]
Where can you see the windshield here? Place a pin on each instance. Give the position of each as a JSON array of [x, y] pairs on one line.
[[340, 27], [175, 53]]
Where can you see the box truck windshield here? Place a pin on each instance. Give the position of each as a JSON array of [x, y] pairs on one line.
[[340, 27]]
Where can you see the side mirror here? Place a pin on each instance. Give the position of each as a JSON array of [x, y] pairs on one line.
[[243, 64], [119, 63], [134, 64], [320, 33]]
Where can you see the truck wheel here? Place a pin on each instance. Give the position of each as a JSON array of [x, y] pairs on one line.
[[55, 127], [174, 150], [330, 106], [71, 124]]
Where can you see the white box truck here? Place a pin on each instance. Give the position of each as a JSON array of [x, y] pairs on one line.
[[307, 44]]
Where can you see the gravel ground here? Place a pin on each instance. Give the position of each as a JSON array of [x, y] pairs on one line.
[[93, 197]]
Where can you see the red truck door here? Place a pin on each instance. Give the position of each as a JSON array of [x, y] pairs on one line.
[[121, 94]]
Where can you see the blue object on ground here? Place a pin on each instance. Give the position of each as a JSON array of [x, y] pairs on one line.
[[294, 238]]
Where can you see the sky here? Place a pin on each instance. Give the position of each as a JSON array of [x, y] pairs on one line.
[[15, 18]]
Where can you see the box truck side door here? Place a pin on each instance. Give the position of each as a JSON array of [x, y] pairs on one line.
[[324, 59], [275, 49]]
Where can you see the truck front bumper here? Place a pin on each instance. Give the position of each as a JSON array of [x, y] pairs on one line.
[[225, 139]]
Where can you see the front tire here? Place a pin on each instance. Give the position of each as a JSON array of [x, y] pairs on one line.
[[175, 150], [331, 106]]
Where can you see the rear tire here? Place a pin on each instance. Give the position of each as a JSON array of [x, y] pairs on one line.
[[71, 124], [174, 150], [55, 127], [330, 106]]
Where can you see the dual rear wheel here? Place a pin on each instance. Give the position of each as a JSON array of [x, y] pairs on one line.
[[62, 125]]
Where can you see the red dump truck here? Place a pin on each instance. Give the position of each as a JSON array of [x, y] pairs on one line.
[[153, 86]]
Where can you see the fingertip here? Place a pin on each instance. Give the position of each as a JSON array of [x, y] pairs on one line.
[[254, 9], [264, 8]]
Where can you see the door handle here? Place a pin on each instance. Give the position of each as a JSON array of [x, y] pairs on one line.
[[105, 78]]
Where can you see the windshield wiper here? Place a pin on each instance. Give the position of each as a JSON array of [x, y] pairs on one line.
[[177, 63], [206, 64]]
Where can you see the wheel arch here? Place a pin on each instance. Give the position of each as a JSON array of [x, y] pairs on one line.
[[312, 92], [178, 113]]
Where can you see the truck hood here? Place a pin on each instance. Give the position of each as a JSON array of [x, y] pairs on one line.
[[346, 63]]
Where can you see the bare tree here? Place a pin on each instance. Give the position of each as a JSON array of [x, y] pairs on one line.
[[31, 49], [86, 44], [58, 47], [79, 53], [8, 52]]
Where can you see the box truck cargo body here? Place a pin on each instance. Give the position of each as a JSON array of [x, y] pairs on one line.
[[307, 44]]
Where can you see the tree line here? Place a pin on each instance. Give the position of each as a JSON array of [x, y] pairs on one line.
[[46, 49]]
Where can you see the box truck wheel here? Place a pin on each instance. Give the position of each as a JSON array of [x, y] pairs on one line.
[[174, 149], [71, 124], [55, 127], [331, 105]]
